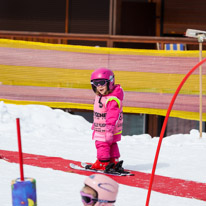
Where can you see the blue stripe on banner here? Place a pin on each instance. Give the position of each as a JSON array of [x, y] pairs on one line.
[[174, 46], [167, 46], [181, 47]]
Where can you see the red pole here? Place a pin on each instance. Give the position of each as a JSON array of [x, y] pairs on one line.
[[20, 149], [164, 127]]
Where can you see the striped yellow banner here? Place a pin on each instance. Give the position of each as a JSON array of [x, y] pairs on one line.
[[67, 66], [97, 50], [76, 78]]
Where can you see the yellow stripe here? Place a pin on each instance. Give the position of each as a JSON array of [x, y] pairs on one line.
[[118, 133], [174, 113], [45, 77], [97, 50], [159, 82], [115, 99], [76, 78], [50, 104], [162, 112]]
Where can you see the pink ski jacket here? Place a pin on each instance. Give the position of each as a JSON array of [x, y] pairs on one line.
[[108, 111]]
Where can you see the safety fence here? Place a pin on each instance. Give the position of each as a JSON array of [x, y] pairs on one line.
[[58, 75]]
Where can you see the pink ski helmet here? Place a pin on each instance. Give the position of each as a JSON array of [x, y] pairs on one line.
[[103, 73], [105, 187]]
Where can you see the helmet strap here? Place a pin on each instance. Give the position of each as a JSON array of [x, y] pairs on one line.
[[100, 103]]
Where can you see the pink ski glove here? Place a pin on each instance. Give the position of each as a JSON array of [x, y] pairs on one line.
[[109, 134]]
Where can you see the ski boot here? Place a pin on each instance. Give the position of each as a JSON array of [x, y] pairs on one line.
[[98, 165], [117, 165]]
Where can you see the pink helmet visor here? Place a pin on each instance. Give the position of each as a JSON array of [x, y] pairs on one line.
[[104, 73]]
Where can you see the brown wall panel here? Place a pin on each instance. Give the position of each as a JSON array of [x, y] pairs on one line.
[[180, 15], [38, 15], [90, 17]]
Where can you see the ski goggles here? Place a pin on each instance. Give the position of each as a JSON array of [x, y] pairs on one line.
[[89, 199], [101, 82]]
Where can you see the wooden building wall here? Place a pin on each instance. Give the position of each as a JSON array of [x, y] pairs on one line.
[[172, 17], [180, 15], [37, 16]]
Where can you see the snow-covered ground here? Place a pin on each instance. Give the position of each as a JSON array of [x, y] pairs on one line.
[[52, 132]]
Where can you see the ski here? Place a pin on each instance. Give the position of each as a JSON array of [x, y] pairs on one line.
[[108, 172], [77, 167], [112, 168]]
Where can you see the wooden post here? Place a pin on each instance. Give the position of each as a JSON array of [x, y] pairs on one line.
[[67, 17], [114, 17], [110, 17], [200, 40]]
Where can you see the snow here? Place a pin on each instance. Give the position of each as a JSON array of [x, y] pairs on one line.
[[53, 132]]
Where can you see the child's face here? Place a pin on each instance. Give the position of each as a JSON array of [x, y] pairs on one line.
[[102, 89], [89, 191]]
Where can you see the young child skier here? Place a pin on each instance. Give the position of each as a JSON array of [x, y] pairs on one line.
[[108, 118], [99, 190]]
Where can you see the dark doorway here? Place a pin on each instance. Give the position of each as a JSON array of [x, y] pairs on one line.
[[137, 19]]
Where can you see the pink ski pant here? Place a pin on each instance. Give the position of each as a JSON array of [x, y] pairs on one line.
[[106, 151]]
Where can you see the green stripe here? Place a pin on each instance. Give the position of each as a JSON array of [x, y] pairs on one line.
[[118, 133], [115, 99]]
